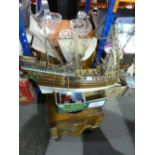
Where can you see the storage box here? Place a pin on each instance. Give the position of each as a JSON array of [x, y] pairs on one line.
[[26, 91], [84, 100], [91, 99]]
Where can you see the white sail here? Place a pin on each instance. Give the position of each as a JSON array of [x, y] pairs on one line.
[[79, 46], [39, 40], [91, 48]]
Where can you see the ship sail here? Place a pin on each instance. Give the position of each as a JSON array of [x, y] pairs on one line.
[[39, 40], [90, 50], [71, 48]]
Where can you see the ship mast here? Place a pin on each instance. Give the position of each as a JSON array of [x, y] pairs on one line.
[[45, 39]]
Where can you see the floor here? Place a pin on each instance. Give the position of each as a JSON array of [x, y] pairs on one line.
[[116, 135]]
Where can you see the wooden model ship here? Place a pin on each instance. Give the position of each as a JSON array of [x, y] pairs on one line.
[[67, 63]]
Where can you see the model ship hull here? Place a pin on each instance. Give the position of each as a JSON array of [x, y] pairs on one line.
[[71, 81], [65, 83], [48, 76]]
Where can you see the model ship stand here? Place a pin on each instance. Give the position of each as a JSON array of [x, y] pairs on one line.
[[72, 123]]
